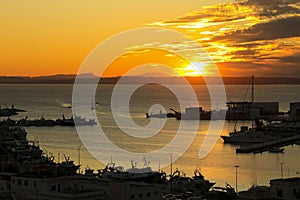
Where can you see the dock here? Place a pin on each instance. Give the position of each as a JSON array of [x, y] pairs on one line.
[[267, 145]]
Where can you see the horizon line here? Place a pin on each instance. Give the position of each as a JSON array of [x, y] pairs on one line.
[[140, 76]]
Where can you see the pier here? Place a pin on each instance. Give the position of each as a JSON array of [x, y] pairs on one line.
[[267, 145]]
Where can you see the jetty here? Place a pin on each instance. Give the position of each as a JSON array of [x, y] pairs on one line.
[[261, 147]]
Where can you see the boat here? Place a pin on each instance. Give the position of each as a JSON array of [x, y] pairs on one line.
[[246, 135], [197, 113], [179, 183], [43, 122], [145, 174], [134, 169], [224, 193], [26, 156], [49, 122], [65, 122], [7, 112], [80, 121], [162, 115], [27, 173], [36, 122]]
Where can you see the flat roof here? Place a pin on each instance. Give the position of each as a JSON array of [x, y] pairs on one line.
[[255, 102], [293, 179]]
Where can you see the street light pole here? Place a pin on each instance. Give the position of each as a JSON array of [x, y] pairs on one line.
[[171, 176], [171, 155], [78, 149], [236, 177]]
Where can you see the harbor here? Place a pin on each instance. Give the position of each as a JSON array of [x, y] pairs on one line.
[[27, 172], [64, 139], [267, 146]]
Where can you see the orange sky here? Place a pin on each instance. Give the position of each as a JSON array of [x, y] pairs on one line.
[[53, 37]]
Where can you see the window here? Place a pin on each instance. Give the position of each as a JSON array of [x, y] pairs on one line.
[[19, 182], [13, 181], [279, 193], [132, 196], [140, 195], [53, 187], [26, 182], [148, 194], [34, 183]]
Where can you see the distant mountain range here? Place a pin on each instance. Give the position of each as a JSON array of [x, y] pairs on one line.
[[86, 78]]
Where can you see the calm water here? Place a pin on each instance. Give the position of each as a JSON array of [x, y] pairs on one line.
[[52, 100]]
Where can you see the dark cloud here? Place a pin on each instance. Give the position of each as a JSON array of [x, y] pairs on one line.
[[277, 10], [260, 69], [245, 52], [291, 59], [253, 36], [270, 2], [190, 18], [225, 19], [280, 28]]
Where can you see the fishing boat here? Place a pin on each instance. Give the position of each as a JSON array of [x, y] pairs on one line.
[[179, 183], [161, 115], [145, 174], [246, 135]]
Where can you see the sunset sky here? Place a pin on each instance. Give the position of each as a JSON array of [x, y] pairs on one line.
[[260, 37]]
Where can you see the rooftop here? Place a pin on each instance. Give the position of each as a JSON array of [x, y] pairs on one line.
[[288, 180]]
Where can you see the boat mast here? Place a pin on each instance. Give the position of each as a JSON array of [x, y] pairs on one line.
[[252, 101], [252, 97]]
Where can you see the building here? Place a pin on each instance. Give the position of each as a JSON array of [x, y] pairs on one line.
[[192, 113], [124, 190], [267, 108], [44, 188], [255, 193], [280, 189], [295, 108], [287, 189], [248, 110], [5, 185]]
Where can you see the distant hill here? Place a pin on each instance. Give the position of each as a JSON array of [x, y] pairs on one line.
[[70, 78]]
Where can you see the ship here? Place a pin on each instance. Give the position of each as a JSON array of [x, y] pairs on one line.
[[27, 173], [7, 112], [25, 122], [180, 183], [18, 155], [145, 174], [246, 135], [162, 115]]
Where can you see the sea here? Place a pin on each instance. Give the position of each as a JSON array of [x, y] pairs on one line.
[[51, 101]]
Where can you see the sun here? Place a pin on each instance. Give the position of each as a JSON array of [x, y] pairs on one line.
[[193, 69]]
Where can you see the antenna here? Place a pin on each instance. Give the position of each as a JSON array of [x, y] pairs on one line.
[[281, 169]]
